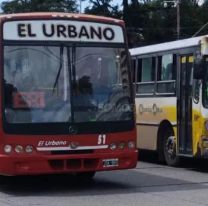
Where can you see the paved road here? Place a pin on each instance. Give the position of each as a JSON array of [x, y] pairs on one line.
[[150, 184]]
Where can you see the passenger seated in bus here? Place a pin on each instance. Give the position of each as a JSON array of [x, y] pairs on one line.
[[15, 106]]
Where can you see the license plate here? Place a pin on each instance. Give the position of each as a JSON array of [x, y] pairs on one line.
[[110, 163]]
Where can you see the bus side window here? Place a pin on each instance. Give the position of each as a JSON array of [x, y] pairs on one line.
[[147, 69], [146, 75], [166, 73], [133, 74], [133, 70], [139, 71]]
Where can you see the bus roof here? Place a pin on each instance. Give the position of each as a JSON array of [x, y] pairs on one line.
[[184, 43], [39, 15]]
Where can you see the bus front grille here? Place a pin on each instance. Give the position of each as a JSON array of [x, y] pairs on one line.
[[74, 164]]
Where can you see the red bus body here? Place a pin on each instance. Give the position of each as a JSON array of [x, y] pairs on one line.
[[58, 152]]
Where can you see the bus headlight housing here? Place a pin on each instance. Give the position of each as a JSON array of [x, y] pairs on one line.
[[113, 146], [29, 149], [7, 148], [131, 144], [121, 145], [18, 149]]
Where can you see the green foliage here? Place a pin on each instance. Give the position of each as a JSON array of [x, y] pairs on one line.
[[17, 6], [103, 8], [147, 21]]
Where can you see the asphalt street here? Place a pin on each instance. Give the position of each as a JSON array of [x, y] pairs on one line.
[[150, 184]]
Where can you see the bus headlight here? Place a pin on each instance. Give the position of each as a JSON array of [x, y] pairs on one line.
[[29, 149], [131, 145], [18, 149], [7, 148], [113, 146], [121, 145]]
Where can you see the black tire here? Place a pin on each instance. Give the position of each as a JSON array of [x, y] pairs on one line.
[[169, 148], [85, 176]]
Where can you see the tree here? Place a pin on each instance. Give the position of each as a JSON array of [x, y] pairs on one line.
[[149, 22], [103, 8], [17, 6], [202, 18], [126, 11]]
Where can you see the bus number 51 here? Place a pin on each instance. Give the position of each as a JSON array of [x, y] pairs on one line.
[[101, 139]]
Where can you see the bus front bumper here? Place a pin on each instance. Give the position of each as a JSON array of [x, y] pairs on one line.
[[58, 164]]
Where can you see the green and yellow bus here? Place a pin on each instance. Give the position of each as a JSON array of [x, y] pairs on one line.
[[171, 91]]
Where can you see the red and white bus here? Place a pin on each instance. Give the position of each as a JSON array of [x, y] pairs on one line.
[[66, 99]]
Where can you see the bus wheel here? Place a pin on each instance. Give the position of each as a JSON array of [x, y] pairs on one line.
[[85, 176], [169, 148]]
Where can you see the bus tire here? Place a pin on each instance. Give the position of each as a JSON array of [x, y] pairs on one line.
[[169, 147], [85, 176]]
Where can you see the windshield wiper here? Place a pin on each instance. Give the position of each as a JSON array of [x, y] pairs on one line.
[[60, 67]]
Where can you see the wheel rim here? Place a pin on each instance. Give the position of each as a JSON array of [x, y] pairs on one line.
[[170, 147]]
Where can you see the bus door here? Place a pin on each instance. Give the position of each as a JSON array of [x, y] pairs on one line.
[[185, 105]]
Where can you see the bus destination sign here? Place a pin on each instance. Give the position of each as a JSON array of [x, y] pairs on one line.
[[56, 30]]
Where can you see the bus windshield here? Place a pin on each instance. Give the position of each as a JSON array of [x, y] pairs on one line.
[[48, 84]]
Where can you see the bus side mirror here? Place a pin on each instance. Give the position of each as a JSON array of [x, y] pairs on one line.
[[199, 69], [201, 59]]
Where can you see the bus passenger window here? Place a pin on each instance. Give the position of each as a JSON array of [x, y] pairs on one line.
[[139, 70], [166, 68], [147, 69], [133, 70], [166, 73], [146, 76]]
